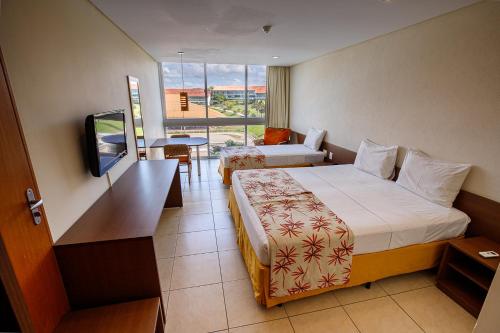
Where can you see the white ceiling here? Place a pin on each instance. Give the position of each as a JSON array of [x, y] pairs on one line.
[[230, 31]]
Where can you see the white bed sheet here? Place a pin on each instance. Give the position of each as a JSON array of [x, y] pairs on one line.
[[381, 214], [285, 155]]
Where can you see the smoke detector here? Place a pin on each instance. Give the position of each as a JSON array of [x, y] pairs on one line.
[[267, 28]]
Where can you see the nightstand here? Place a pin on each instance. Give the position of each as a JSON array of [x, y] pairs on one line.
[[323, 163], [464, 275]]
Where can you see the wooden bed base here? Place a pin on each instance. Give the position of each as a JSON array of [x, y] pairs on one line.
[[226, 172], [365, 267]]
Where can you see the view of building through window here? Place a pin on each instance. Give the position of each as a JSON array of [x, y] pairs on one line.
[[232, 103]]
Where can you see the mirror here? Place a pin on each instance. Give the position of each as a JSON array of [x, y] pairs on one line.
[[135, 106]]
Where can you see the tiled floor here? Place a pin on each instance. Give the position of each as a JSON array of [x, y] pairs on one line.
[[206, 286]]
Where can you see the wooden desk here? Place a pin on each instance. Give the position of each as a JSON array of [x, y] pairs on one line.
[[132, 317], [108, 255]]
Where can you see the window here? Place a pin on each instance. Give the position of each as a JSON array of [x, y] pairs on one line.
[[194, 85], [226, 103], [226, 87], [256, 91]]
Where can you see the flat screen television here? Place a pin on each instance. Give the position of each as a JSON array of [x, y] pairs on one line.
[[106, 140]]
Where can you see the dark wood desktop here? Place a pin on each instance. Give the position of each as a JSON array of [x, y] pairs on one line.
[[108, 255]]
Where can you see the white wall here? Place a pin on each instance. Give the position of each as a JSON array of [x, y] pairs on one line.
[[66, 60], [433, 86]]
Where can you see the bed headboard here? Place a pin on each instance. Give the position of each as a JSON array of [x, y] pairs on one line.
[[484, 213]]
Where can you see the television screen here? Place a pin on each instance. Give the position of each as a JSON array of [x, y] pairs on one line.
[[107, 140]]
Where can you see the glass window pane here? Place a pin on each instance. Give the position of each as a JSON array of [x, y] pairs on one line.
[[225, 136], [194, 86], [254, 132], [256, 91], [226, 90], [198, 131]]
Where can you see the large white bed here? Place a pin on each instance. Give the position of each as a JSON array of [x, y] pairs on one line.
[[381, 214], [280, 155]]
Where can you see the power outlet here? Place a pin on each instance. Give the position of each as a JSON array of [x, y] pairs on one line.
[[330, 156], [325, 152]]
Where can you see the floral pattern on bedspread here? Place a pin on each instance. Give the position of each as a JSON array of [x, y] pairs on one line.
[[310, 246], [244, 157]]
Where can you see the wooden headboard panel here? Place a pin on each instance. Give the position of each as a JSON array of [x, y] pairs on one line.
[[484, 213]]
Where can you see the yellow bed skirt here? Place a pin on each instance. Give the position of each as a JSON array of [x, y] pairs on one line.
[[226, 172], [365, 267]]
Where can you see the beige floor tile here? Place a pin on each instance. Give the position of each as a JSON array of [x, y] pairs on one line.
[[165, 245], [199, 207], [359, 293], [217, 185], [310, 304], [165, 272], [242, 309], [197, 309], [220, 205], [333, 320], [168, 225], [196, 242], [223, 220], [164, 296], [195, 270], [196, 196], [232, 265], [226, 239], [406, 282], [380, 315], [222, 194], [434, 311], [198, 222], [171, 212], [196, 186], [275, 326]]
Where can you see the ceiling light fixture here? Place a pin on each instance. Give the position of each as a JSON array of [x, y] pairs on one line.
[[183, 95], [276, 57]]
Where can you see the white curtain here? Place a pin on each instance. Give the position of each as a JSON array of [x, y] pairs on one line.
[[278, 97]]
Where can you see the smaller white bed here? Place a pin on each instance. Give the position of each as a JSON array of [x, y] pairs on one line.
[[381, 214], [287, 155]]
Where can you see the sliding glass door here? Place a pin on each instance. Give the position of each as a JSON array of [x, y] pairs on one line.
[[226, 103]]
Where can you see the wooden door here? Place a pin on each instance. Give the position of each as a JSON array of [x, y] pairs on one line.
[[28, 266]]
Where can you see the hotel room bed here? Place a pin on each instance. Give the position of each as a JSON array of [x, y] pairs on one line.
[[276, 156], [396, 231]]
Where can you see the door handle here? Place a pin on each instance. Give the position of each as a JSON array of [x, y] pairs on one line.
[[34, 205]]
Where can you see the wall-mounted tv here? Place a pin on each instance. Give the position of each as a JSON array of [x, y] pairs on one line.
[[106, 140]]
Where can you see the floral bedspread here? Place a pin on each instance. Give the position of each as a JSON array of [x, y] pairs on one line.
[[310, 246], [244, 157]]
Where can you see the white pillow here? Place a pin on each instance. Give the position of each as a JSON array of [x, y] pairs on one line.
[[376, 159], [434, 180], [314, 138]]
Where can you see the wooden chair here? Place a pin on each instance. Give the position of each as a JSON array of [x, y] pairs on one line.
[[180, 152], [173, 136]]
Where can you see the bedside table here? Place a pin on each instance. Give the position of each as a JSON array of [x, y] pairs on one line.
[[323, 163], [464, 275]]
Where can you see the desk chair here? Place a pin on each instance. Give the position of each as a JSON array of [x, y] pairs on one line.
[[180, 152]]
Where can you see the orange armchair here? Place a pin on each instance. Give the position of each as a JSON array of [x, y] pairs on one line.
[[274, 136]]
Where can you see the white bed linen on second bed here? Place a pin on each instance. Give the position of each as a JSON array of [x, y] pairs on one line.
[[277, 155], [382, 214]]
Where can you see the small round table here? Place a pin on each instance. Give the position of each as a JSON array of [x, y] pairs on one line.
[[194, 141]]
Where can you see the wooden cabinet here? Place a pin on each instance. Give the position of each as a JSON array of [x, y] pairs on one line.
[[139, 316], [464, 275], [108, 255]]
